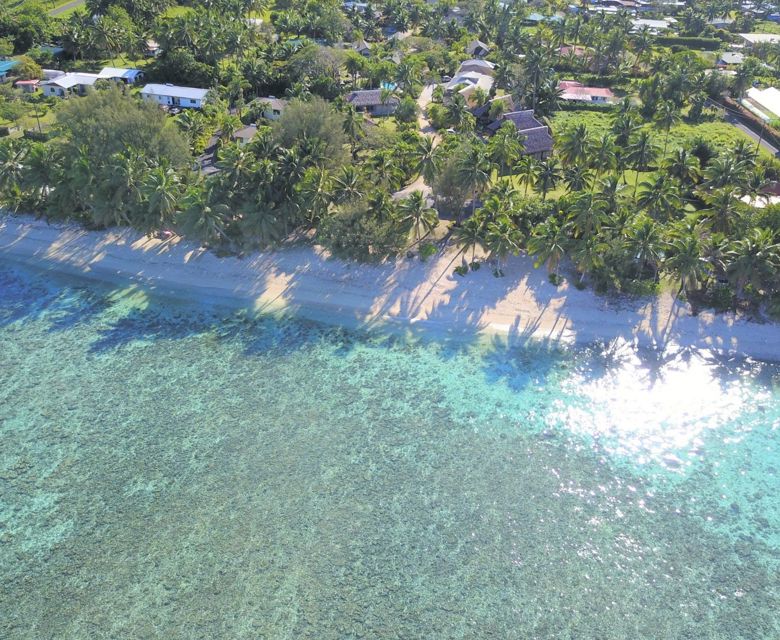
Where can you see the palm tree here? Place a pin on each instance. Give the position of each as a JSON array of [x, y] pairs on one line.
[[602, 154], [347, 186], [588, 254], [641, 152], [42, 170], [722, 206], [458, 113], [470, 234], [526, 168], [504, 147], [643, 241], [667, 116], [548, 243], [725, 170], [12, 155], [683, 166], [586, 216], [353, 127], [161, 191], [548, 175], [414, 210], [754, 260], [428, 159], [659, 196], [474, 169], [201, 219], [577, 178], [502, 238], [573, 145], [316, 194], [609, 193], [684, 259], [624, 127]]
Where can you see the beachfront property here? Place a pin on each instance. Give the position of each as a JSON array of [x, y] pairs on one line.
[[574, 91], [537, 140], [765, 103], [63, 85], [5, 68], [169, 95], [371, 101]]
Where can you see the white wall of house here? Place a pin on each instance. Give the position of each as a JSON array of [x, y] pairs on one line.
[[172, 101]]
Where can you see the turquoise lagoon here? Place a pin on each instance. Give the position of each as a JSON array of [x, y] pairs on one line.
[[171, 471]]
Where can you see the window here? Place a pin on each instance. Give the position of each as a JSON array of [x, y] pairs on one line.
[[193, 102]]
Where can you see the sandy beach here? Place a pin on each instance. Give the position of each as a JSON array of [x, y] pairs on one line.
[[522, 305]]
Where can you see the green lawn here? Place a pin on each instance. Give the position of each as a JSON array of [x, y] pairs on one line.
[[719, 134], [766, 26], [177, 10]]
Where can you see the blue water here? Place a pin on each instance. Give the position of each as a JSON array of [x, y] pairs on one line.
[[183, 472]]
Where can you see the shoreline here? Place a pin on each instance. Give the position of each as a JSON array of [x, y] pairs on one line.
[[520, 307]]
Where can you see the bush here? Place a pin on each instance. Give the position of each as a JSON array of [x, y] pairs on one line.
[[586, 106], [313, 122], [706, 44], [38, 136], [357, 233], [5, 131], [427, 249], [407, 110]]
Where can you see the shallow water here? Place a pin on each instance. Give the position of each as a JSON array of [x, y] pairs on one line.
[[178, 472]]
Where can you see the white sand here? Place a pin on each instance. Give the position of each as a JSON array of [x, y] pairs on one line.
[[523, 305]]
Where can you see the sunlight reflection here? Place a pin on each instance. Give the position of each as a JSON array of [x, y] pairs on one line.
[[652, 415]]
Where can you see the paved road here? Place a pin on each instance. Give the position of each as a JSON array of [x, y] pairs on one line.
[[733, 120], [65, 7]]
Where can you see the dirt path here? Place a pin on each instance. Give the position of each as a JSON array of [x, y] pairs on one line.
[[426, 128]]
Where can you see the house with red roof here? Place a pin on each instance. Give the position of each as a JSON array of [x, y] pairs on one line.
[[576, 91]]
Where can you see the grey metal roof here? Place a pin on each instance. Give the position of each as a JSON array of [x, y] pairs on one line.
[[537, 136], [368, 98], [174, 91], [246, 133]]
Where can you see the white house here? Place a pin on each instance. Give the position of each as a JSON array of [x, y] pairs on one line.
[[467, 83], [274, 107], [128, 76], [172, 96], [574, 91], [765, 103], [751, 39], [69, 84], [478, 66], [654, 26], [61, 85]]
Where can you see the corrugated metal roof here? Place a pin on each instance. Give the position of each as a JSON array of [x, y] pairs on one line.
[[174, 91]]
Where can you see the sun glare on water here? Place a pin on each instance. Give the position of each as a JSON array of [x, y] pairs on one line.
[[659, 415]]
